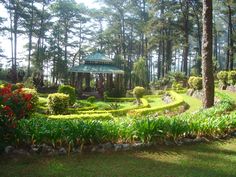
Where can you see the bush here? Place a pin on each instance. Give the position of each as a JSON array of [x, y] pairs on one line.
[[58, 103], [67, 89], [223, 77], [138, 93], [14, 105], [91, 99], [176, 86], [195, 82], [35, 99], [232, 77]]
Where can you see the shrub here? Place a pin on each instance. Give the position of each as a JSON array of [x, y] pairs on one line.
[[34, 100], [138, 93], [58, 103], [195, 82], [67, 89], [91, 99], [232, 77], [14, 105], [176, 86], [223, 77]]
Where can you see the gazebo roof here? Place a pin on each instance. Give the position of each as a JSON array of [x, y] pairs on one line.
[[96, 69], [97, 57]]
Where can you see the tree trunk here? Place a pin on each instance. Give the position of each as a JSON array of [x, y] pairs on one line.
[[186, 38], [231, 45], [30, 38], [207, 63]]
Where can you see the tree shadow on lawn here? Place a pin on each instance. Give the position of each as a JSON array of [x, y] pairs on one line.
[[214, 159]]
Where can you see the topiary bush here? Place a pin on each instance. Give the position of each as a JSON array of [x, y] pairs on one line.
[[67, 89], [91, 99], [58, 103], [232, 77], [195, 82], [223, 77], [138, 93]]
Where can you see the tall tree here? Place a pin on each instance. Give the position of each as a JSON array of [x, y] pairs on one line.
[[207, 63]]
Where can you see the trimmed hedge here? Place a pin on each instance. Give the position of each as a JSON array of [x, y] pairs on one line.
[[145, 111], [58, 103], [67, 89], [195, 82], [103, 116], [118, 112]]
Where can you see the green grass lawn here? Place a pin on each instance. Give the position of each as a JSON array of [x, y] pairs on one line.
[[194, 103], [155, 101], [216, 159]]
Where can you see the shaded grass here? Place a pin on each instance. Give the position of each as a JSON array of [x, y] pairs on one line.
[[201, 160]]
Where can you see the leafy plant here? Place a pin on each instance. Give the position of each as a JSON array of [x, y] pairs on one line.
[[138, 93], [91, 99], [223, 77], [67, 89], [58, 103], [232, 77], [195, 82]]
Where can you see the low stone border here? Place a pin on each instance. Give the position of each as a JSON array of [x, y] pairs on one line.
[[45, 149]]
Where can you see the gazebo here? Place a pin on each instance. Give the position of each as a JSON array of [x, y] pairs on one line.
[[99, 65]]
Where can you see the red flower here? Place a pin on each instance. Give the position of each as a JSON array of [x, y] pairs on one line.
[[27, 97]]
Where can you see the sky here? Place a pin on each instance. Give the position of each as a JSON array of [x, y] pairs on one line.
[[5, 42]]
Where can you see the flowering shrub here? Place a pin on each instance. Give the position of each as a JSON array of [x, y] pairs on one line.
[[15, 104]]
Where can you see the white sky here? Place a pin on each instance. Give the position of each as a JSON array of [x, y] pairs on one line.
[[5, 42]]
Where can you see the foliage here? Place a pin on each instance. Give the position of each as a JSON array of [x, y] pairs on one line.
[[209, 122], [67, 89], [29, 83], [114, 106], [35, 99], [91, 99], [176, 86], [140, 72], [223, 77], [146, 111], [58, 103], [232, 77], [14, 105], [138, 93], [195, 82]]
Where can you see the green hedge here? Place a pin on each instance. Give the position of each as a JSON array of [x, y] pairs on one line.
[[104, 116], [58, 103], [210, 122], [69, 90], [118, 112], [178, 100]]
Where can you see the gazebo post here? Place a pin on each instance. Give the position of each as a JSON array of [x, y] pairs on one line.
[[80, 81], [87, 82]]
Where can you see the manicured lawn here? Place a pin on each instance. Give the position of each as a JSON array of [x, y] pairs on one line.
[[201, 160], [156, 101], [194, 103]]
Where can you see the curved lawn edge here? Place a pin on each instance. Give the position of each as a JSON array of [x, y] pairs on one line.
[[118, 111], [178, 100]]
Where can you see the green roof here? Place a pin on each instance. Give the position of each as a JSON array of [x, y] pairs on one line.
[[96, 69], [97, 57]]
